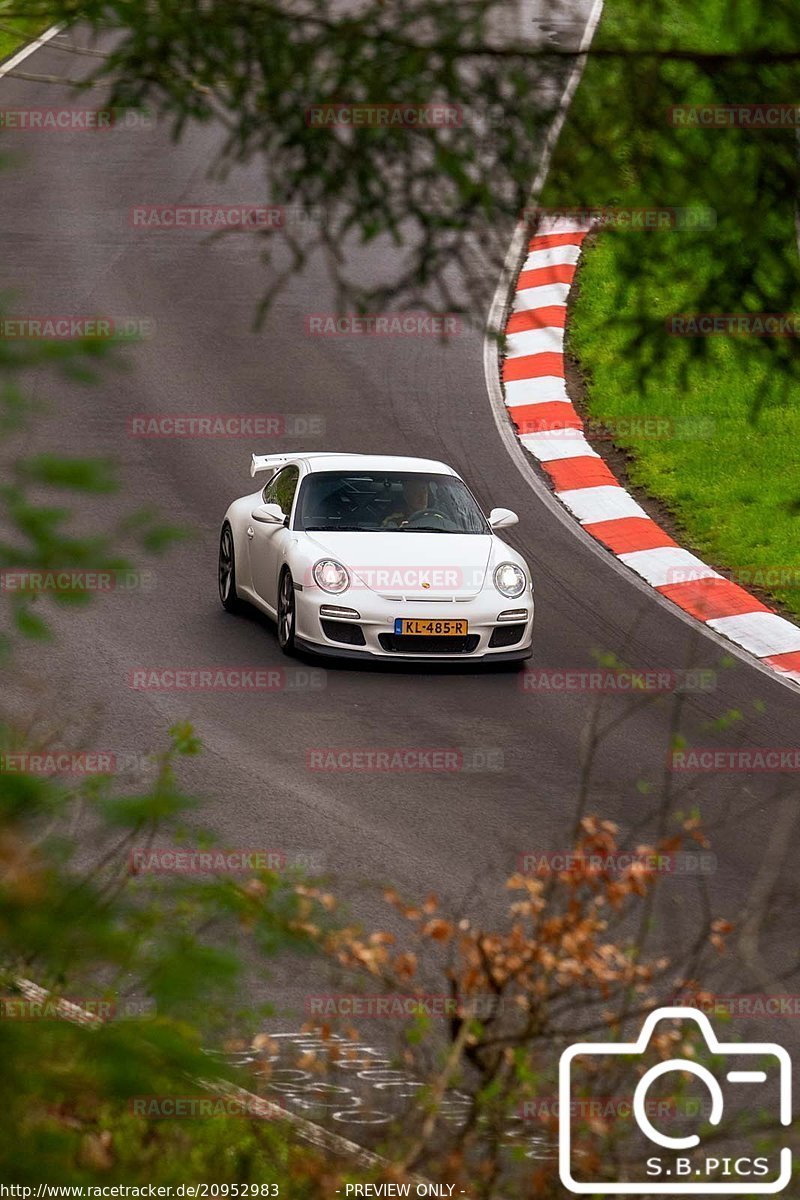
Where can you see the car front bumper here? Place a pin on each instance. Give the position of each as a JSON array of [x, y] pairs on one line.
[[377, 616]]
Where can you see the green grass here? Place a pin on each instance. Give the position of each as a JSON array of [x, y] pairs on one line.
[[730, 470], [16, 31]]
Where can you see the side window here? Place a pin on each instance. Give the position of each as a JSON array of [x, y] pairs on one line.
[[281, 489]]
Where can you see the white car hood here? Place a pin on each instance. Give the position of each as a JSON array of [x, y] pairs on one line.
[[400, 564]]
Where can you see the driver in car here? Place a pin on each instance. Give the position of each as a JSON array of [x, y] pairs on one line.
[[415, 500]]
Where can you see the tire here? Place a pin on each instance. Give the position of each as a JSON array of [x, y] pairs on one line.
[[287, 615], [226, 572]]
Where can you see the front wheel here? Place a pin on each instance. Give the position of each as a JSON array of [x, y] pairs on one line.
[[226, 574], [286, 612]]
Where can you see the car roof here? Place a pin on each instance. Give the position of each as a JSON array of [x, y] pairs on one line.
[[374, 462]]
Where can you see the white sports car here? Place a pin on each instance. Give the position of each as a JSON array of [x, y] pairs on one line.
[[371, 556]]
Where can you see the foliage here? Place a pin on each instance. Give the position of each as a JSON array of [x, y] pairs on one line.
[[728, 403], [445, 196]]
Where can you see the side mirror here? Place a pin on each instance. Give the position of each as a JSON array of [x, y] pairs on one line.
[[269, 514], [501, 518]]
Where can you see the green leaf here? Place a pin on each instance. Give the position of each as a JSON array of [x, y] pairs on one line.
[[76, 474], [31, 626]]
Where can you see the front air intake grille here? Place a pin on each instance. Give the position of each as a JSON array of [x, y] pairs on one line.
[[343, 631], [399, 643], [506, 635]]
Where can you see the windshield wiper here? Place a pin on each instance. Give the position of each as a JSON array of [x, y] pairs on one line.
[[425, 529], [335, 529]]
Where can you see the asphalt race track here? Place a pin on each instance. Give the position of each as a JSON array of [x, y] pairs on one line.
[[69, 249]]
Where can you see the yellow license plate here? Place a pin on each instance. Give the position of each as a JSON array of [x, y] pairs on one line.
[[430, 628]]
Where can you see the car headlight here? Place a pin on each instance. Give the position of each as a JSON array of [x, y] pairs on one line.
[[509, 579], [331, 576]]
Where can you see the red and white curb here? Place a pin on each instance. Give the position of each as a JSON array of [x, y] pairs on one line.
[[550, 428]]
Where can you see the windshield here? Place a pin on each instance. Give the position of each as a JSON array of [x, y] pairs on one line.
[[387, 501]]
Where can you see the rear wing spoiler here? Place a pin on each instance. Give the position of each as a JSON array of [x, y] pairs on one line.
[[270, 462]]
